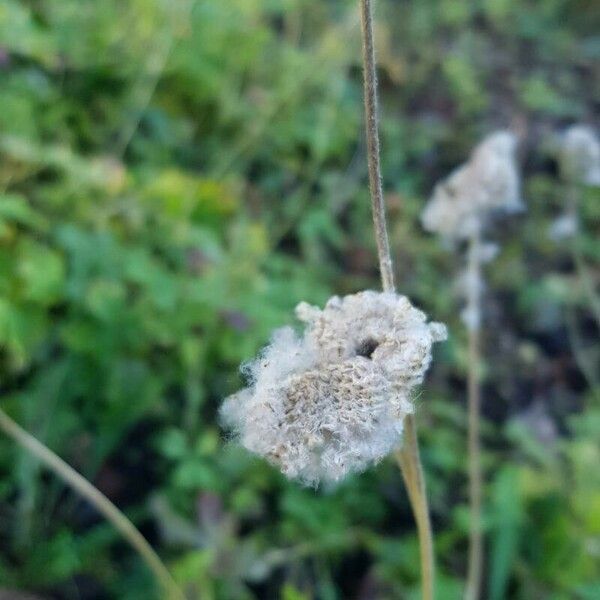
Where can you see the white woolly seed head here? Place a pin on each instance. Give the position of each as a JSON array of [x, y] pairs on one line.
[[487, 183], [564, 227], [580, 155], [333, 400]]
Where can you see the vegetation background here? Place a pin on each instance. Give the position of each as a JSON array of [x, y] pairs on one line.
[[174, 177]]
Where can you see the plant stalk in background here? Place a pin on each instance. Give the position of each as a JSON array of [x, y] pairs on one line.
[[585, 277], [104, 506], [461, 206], [473, 307], [586, 281], [408, 455], [579, 166]]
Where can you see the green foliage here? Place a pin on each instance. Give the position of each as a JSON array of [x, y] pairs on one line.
[[174, 178], [506, 531]]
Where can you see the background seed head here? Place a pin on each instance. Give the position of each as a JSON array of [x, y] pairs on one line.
[[488, 183], [580, 156]]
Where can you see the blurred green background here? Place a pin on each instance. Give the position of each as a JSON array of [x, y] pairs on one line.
[[175, 176]]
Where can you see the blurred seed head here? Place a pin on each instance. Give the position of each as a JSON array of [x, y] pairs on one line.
[[333, 400], [564, 227], [579, 156], [488, 183]]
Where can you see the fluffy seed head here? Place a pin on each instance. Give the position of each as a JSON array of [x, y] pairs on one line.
[[333, 400], [487, 183], [580, 155], [564, 227]]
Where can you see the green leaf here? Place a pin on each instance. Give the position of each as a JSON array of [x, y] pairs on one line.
[[15, 209], [291, 592], [42, 272], [507, 517]]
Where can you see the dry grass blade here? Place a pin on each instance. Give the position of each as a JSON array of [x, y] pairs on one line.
[[104, 506]]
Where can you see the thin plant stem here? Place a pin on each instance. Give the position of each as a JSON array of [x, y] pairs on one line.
[[412, 472], [585, 365], [374, 161], [408, 455], [83, 487], [587, 284], [585, 277], [475, 564], [144, 88]]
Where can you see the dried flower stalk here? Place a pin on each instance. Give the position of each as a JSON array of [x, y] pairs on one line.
[[475, 564], [408, 456], [579, 162], [461, 207], [95, 497]]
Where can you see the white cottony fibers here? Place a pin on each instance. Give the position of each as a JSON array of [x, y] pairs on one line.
[[564, 227], [333, 400], [487, 183], [580, 156]]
